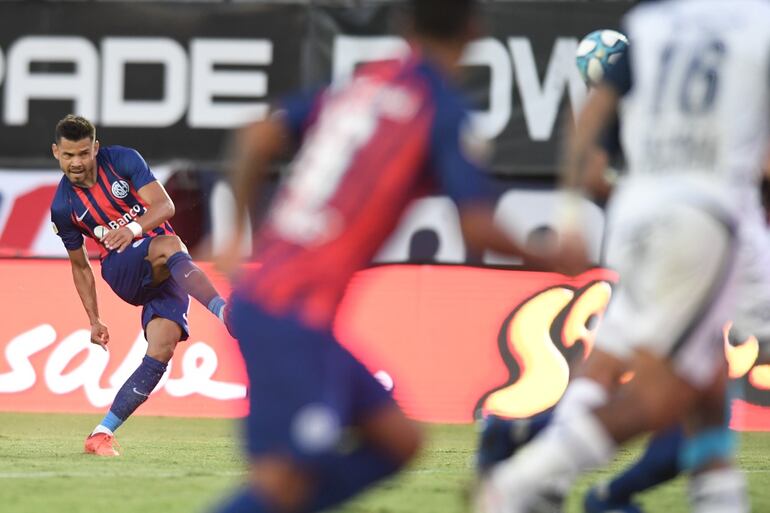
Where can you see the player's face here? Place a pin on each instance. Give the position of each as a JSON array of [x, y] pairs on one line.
[[78, 160]]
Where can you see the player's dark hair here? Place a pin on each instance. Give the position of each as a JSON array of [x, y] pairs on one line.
[[442, 19], [74, 128]]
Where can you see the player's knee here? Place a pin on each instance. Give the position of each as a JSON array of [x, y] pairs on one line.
[[161, 352], [162, 338], [282, 484], [164, 246], [411, 441], [660, 407], [405, 443], [394, 433]]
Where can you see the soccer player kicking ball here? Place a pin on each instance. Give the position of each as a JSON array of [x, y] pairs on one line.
[[321, 428], [110, 195]]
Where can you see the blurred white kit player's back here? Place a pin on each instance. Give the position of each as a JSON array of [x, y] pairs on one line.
[[695, 132], [684, 229]]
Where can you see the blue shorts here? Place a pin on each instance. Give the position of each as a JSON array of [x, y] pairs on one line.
[[129, 274], [305, 389]]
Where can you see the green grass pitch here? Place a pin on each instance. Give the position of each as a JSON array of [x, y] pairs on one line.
[[175, 465]]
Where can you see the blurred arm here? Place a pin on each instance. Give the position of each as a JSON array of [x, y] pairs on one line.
[[256, 146], [481, 233], [581, 148]]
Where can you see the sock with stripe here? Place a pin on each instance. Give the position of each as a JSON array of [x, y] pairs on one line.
[[190, 277], [132, 394]]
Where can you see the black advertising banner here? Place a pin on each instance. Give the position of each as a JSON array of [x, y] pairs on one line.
[[521, 77], [172, 78], [167, 78]]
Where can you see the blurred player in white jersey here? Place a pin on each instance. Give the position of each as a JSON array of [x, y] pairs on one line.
[[694, 91]]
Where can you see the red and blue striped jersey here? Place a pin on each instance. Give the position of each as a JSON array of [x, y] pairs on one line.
[[112, 202], [395, 130]]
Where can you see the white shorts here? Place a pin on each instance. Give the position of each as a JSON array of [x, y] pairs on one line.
[[676, 263], [752, 315]]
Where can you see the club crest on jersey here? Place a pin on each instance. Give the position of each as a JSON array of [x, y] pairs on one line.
[[120, 189]]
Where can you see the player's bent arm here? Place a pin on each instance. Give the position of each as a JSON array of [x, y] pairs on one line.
[[256, 146], [595, 180], [83, 276], [481, 233], [160, 208], [601, 106]]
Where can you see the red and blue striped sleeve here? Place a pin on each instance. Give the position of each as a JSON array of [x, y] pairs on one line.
[[63, 227], [130, 164]]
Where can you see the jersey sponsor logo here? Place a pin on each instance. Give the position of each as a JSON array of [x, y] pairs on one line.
[[137, 243], [126, 218], [81, 216], [120, 189]]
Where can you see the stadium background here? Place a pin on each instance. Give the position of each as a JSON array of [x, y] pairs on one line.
[[456, 333]]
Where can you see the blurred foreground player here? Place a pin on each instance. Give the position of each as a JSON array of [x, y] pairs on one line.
[[695, 131], [321, 428], [500, 437], [110, 195]]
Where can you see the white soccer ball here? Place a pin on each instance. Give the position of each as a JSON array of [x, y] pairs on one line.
[[100, 232], [597, 52]]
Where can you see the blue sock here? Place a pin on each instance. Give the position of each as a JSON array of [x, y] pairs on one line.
[[195, 282], [135, 391], [343, 476], [659, 463], [244, 501], [111, 421], [537, 423]]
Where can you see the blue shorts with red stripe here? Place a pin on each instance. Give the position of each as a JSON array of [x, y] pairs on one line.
[[129, 274], [305, 389]]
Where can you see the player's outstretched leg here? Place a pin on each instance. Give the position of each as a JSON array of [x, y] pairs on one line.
[[658, 464], [278, 485], [168, 255], [501, 438], [542, 475], [162, 336]]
